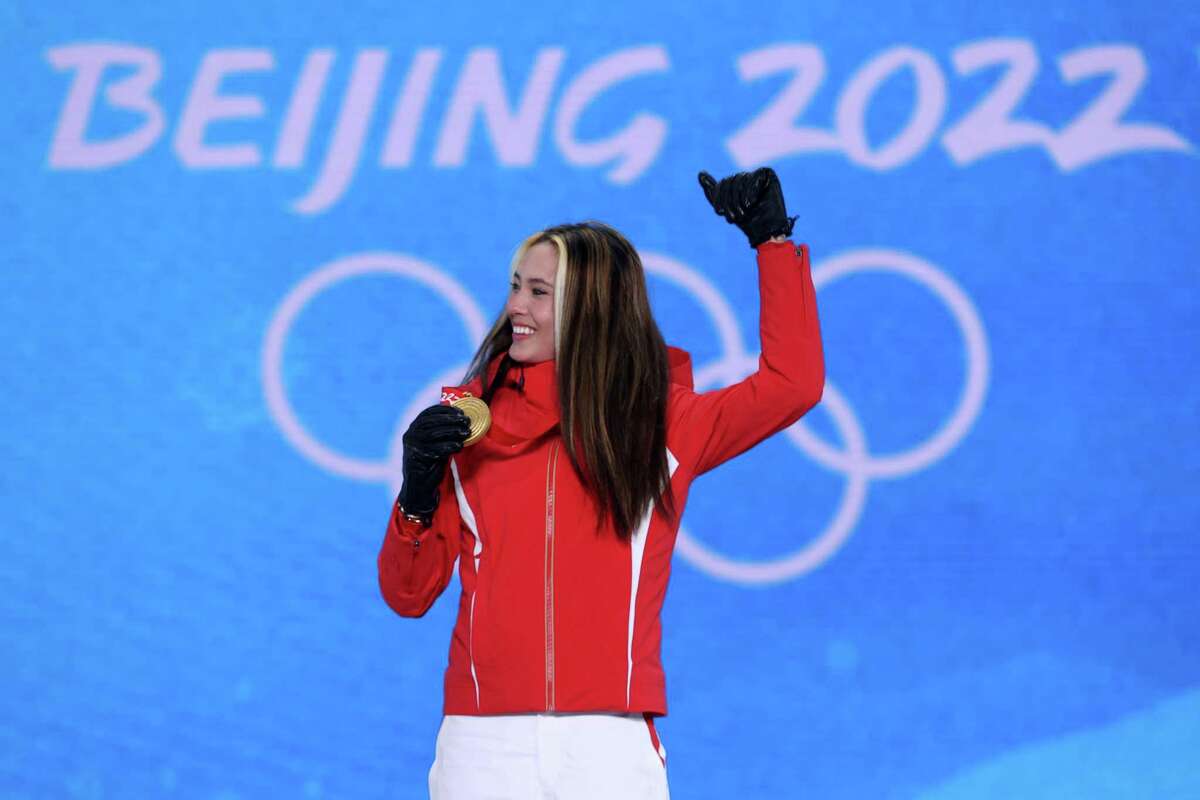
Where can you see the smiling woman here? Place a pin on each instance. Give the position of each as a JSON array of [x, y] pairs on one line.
[[530, 307], [563, 517]]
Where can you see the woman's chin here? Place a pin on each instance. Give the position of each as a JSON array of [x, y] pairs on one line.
[[519, 351]]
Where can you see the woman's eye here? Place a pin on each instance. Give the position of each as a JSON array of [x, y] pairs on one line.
[[539, 291]]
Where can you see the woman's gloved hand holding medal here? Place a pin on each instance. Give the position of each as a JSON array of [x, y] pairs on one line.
[[435, 434]]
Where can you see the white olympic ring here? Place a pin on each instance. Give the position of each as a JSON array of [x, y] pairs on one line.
[[293, 304], [855, 462], [970, 402]]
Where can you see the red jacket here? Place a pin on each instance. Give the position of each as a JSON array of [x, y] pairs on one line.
[[552, 616]]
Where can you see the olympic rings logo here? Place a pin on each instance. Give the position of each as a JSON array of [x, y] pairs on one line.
[[855, 462]]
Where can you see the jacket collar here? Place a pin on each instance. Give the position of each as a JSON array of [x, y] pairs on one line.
[[538, 385], [525, 405]]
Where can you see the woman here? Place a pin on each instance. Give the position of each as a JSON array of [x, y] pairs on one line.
[[564, 541]]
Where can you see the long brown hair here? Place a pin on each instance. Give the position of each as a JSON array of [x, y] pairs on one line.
[[611, 365]]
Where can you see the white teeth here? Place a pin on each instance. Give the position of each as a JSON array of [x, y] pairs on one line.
[[522, 329]]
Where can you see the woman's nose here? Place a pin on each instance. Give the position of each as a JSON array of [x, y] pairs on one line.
[[515, 304]]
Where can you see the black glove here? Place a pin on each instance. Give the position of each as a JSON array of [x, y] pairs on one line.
[[751, 200], [437, 432]]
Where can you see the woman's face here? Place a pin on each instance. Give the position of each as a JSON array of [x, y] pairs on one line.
[[530, 306]]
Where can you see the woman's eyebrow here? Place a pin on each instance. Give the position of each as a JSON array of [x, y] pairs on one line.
[[517, 277]]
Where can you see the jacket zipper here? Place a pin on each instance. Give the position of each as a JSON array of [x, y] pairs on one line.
[[551, 481]]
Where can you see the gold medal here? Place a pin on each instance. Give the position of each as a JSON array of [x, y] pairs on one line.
[[479, 415]]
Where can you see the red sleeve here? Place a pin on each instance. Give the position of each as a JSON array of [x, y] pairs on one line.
[[415, 563], [718, 425]]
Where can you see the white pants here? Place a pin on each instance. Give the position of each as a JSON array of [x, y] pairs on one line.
[[548, 757]]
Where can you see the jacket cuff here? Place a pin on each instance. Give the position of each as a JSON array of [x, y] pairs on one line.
[[785, 252], [407, 530], [769, 245]]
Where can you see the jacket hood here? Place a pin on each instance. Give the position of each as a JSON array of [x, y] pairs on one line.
[[679, 362]]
